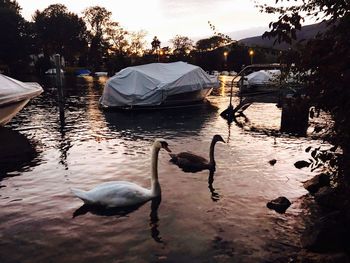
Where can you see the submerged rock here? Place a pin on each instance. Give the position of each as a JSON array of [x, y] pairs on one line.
[[280, 204], [314, 184], [301, 164], [273, 162]]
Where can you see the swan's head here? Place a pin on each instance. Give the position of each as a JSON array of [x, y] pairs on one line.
[[161, 143], [218, 138]]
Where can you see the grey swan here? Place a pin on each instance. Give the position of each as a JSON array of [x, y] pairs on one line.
[[121, 193], [190, 162]]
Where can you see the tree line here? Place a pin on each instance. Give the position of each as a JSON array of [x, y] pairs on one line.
[[95, 41]]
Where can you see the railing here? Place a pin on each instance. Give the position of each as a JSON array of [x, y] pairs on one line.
[[230, 111], [254, 66]]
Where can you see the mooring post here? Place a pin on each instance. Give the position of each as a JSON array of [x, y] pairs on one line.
[[59, 86], [295, 115], [59, 79]]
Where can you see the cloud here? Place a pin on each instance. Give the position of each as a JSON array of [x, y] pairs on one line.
[[190, 7]]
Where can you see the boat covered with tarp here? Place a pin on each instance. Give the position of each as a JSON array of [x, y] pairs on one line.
[[52, 71], [264, 77], [82, 72], [14, 95], [158, 84]]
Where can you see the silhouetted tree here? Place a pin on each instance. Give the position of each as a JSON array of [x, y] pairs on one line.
[[182, 45], [16, 36], [137, 43], [118, 38], [155, 44], [59, 31], [98, 19], [211, 43]]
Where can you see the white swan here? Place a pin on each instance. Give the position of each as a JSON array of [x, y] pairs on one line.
[[121, 193]]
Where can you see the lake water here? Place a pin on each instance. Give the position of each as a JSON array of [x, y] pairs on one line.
[[228, 222]]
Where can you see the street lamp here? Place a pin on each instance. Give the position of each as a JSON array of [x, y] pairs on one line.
[[225, 55], [225, 59], [160, 54], [251, 54]]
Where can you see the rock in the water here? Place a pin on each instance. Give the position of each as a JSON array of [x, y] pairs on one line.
[[273, 162], [280, 204], [314, 184], [301, 164]]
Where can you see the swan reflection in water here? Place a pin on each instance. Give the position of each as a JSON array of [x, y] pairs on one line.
[[123, 212], [214, 195]]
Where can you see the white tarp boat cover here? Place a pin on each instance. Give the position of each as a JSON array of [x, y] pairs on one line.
[[52, 71], [264, 77], [12, 90], [150, 84]]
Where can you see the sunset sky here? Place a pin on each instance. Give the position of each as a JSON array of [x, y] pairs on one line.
[[166, 18]]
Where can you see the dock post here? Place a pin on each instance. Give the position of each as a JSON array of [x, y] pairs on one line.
[[59, 78], [59, 86], [295, 116]]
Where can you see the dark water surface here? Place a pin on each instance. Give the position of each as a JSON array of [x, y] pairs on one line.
[[228, 222]]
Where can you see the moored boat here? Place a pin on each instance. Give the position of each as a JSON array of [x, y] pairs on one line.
[[158, 85], [101, 73], [14, 95], [261, 81], [52, 71], [82, 72]]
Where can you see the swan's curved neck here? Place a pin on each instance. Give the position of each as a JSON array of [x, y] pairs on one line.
[[155, 186], [211, 153]]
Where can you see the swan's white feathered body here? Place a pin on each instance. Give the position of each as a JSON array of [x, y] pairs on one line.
[[115, 194], [122, 193]]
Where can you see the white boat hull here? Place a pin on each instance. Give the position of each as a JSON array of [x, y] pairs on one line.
[[14, 95], [7, 112]]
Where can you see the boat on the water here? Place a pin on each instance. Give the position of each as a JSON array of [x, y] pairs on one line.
[[265, 80], [52, 71], [158, 85], [82, 72], [101, 73], [14, 95]]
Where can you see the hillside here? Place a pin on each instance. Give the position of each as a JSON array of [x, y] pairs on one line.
[[306, 32]]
